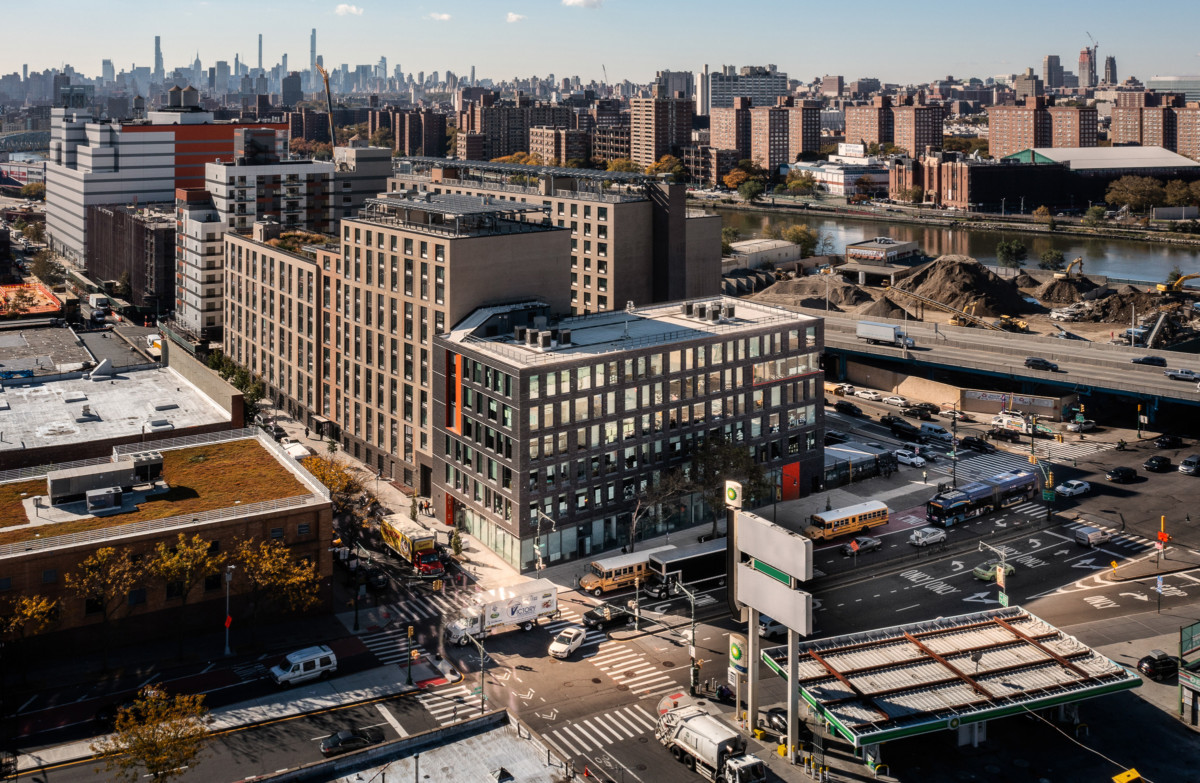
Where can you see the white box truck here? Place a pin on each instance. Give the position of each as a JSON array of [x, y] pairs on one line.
[[875, 333], [708, 746], [503, 608]]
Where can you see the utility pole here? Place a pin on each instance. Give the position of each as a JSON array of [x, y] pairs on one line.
[[694, 676], [482, 668]]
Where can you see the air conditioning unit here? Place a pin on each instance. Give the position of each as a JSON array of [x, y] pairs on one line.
[[729, 310], [564, 337], [519, 333], [686, 308], [700, 311], [544, 340]]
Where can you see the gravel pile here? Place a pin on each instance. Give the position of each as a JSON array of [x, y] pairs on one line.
[[1063, 290], [803, 291], [960, 280]]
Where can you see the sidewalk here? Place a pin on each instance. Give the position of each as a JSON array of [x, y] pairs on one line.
[[374, 684]]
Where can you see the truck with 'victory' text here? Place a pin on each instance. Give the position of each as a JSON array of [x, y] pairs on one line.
[[413, 544], [503, 608]]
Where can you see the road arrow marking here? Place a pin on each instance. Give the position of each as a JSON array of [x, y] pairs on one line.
[[502, 675], [553, 714], [1138, 596], [981, 598], [1001, 524], [1087, 564], [1035, 543], [525, 696], [1062, 552], [957, 565]]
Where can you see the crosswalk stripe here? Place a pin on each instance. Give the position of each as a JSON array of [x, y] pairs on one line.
[[627, 723], [639, 713], [584, 746], [604, 737], [561, 745], [617, 727], [654, 673], [615, 658], [648, 686]]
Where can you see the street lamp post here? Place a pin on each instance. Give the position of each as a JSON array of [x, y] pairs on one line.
[[411, 651], [228, 619], [482, 664], [537, 542], [694, 676]]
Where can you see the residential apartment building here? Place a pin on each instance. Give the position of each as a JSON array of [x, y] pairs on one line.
[[870, 123], [134, 246], [770, 137], [917, 127], [632, 239], [1039, 123], [414, 131], [359, 173], [98, 162], [609, 143], [556, 427], [659, 126], [729, 128], [1073, 126], [761, 84], [258, 185], [504, 126], [707, 165], [1187, 130], [1146, 117], [558, 145]]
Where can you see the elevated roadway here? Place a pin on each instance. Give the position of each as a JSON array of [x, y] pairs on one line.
[[1083, 367], [24, 141]]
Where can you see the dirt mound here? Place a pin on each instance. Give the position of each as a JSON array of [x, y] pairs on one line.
[[1025, 280], [814, 287], [1128, 290], [790, 300], [1120, 307], [1063, 290], [883, 307], [960, 280]]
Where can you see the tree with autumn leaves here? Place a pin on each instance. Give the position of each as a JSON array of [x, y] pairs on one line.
[[104, 580], [182, 567], [276, 580], [158, 735]]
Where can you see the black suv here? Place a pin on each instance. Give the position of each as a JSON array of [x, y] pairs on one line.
[[1168, 441], [915, 412], [976, 444], [606, 615], [848, 408], [1153, 361], [888, 420], [1158, 665], [1038, 363], [999, 433], [1121, 475]]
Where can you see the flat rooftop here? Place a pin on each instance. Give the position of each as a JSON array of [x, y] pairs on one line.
[[876, 686], [525, 170], [640, 327], [226, 476], [60, 411], [40, 350], [1080, 158], [453, 215]]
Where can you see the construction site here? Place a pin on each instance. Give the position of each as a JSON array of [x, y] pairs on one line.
[[958, 291]]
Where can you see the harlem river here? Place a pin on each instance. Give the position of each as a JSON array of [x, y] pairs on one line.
[[1117, 258]]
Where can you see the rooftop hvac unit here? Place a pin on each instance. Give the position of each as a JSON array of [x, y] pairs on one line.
[[519, 333], [544, 340], [714, 313], [554, 333], [531, 337], [564, 337], [700, 311], [729, 309], [686, 308]]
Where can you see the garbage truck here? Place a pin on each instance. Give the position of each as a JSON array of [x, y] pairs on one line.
[[882, 333], [708, 746], [504, 608]]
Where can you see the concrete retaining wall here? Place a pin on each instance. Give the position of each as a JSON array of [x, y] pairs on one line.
[[207, 381]]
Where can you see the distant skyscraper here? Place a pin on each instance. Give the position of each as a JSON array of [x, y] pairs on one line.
[[1110, 70], [108, 73], [312, 52], [1052, 72], [1087, 67], [472, 75], [260, 51], [283, 63], [702, 102], [158, 59]]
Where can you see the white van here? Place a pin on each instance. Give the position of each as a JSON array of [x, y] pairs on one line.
[[937, 432], [1092, 536], [304, 665]]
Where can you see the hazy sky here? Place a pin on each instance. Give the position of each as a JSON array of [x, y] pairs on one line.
[[903, 42]]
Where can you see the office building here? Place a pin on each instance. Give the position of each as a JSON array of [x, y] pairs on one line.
[[557, 426], [1188, 85], [729, 128], [673, 83], [762, 85], [98, 162], [632, 238], [159, 72], [1110, 70], [832, 86], [134, 247], [1052, 72], [1087, 67], [659, 126], [870, 123], [1027, 85]]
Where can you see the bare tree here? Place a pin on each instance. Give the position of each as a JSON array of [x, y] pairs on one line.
[[669, 487]]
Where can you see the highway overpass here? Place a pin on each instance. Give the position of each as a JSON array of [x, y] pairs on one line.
[[24, 141]]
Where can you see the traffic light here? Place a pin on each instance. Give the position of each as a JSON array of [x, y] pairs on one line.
[[410, 632], [1050, 479], [1032, 459], [415, 654]]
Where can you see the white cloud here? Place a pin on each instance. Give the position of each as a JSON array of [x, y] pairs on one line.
[[514, 17], [583, 3], [345, 9], [440, 17]]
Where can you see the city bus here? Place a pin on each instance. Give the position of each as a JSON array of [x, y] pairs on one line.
[[981, 497], [843, 521], [613, 573], [699, 565]]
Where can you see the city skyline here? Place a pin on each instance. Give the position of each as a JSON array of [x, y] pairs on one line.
[[523, 38]]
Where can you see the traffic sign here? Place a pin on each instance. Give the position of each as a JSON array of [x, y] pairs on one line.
[[1004, 599], [1158, 545], [1000, 576], [1159, 586], [1048, 495], [1164, 536], [731, 676], [854, 546], [1080, 417]]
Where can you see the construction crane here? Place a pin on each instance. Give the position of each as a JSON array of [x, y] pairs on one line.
[[1095, 48], [1078, 262], [1176, 286], [329, 103]]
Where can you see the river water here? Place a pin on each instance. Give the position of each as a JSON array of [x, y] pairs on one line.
[[1119, 258]]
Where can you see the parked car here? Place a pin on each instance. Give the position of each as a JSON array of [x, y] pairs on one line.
[[1182, 375], [926, 406], [1158, 665], [1168, 441], [848, 408], [868, 394], [895, 400], [1190, 465], [568, 641], [1087, 425], [926, 536], [1121, 475], [376, 580], [987, 571], [770, 627], [274, 430], [1038, 363], [952, 413], [908, 458], [1158, 464], [913, 412], [833, 437], [1153, 361], [1072, 488], [775, 719], [999, 433], [606, 615], [345, 741], [865, 544], [888, 420], [976, 444]]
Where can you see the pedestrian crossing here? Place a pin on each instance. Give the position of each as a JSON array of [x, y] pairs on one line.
[[451, 704], [1028, 509], [568, 617], [424, 606], [576, 738], [1119, 538], [976, 466], [628, 668], [391, 645]]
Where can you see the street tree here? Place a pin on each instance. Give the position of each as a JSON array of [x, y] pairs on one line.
[[383, 138], [1179, 194], [1052, 259], [342, 482], [1093, 217], [667, 164], [24, 617], [1011, 253], [158, 736], [720, 460], [276, 580], [1138, 193], [35, 232], [104, 580], [803, 235], [1042, 214], [623, 164], [729, 235], [34, 190], [751, 190], [661, 490], [801, 182], [181, 567], [46, 269], [734, 179]]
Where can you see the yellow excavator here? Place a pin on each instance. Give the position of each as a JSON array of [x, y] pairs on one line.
[[1078, 262], [1176, 286], [1012, 324], [956, 320]]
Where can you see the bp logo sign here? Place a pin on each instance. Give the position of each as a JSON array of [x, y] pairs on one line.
[[733, 494], [737, 652]]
